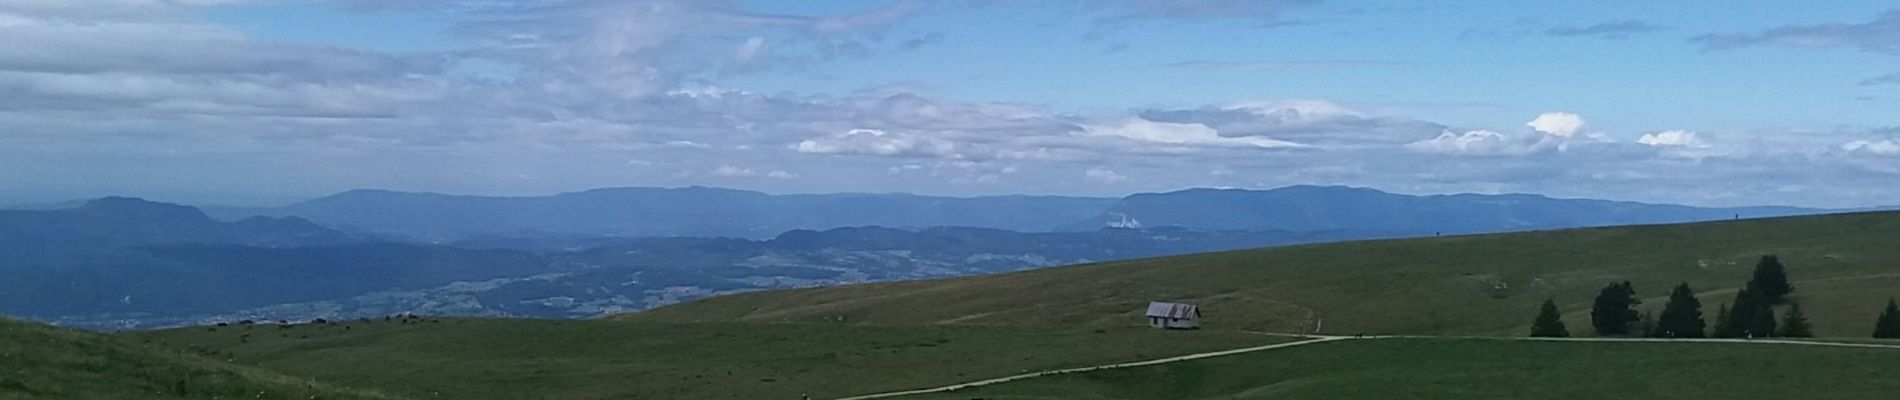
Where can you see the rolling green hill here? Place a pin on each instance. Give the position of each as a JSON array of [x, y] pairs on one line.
[[1484, 369], [1844, 267], [520, 359], [42, 362], [834, 342]]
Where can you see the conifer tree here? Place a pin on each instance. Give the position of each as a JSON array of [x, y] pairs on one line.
[[1771, 280], [1682, 316], [1752, 316], [1795, 324], [1733, 323], [1762, 324], [1889, 325], [1612, 314], [1549, 323]]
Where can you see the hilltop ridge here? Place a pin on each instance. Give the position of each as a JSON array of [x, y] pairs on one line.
[[1481, 284]]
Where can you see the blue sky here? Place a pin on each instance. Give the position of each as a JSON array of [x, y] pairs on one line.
[[1401, 53], [236, 101]]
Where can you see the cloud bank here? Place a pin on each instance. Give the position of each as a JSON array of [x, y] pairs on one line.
[[144, 97]]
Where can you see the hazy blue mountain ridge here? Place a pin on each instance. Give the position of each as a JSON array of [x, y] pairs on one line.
[[692, 211], [1327, 208], [120, 262], [714, 212]]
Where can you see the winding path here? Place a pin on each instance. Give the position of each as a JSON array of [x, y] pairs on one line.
[[1317, 339]]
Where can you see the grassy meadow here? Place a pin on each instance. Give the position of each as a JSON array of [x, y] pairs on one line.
[[507, 359], [841, 341], [1454, 369], [1844, 268], [42, 362]]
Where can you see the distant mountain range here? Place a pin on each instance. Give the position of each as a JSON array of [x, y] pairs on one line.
[[693, 211], [654, 272], [1328, 208], [123, 262], [713, 212], [120, 222], [131, 259]]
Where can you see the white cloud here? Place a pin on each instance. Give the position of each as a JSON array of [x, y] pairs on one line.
[[1305, 111], [128, 95], [1281, 64], [878, 142], [1178, 134], [902, 168], [1471, 143], [731, 171], [739, 172], [1881, 148], [1674, 138], [1550, 132], [152, 57], [688, 144], [1560, 124], [1314, 123], [750, 50], [1104, 175], [580, 51]]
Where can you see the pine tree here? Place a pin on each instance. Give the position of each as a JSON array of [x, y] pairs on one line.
[[1752, 316], [1889, 325], [1771, 280], [1795, 324], [1763, 323], [1549, 323], [1733, 322], [1722, 327], [1682, 316], [1612, 314]]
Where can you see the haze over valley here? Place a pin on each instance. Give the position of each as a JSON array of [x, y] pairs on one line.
[[116, 263]]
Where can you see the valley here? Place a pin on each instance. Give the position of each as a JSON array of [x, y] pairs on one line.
[[1443, 299], [123, 263], [188, 269], [859, 311]]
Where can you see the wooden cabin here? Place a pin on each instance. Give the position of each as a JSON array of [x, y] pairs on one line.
[[1174, 315]]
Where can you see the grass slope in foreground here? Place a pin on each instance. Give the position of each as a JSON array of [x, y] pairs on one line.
[[1485, 369], [43, 362], [510, 359], [1844, 268]]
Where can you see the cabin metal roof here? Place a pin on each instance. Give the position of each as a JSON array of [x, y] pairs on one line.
[[1173, 310]]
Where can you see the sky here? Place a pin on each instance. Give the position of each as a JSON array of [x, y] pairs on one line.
[[264, 102]]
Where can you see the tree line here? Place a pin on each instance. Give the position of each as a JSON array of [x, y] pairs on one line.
[[1614, 312]]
